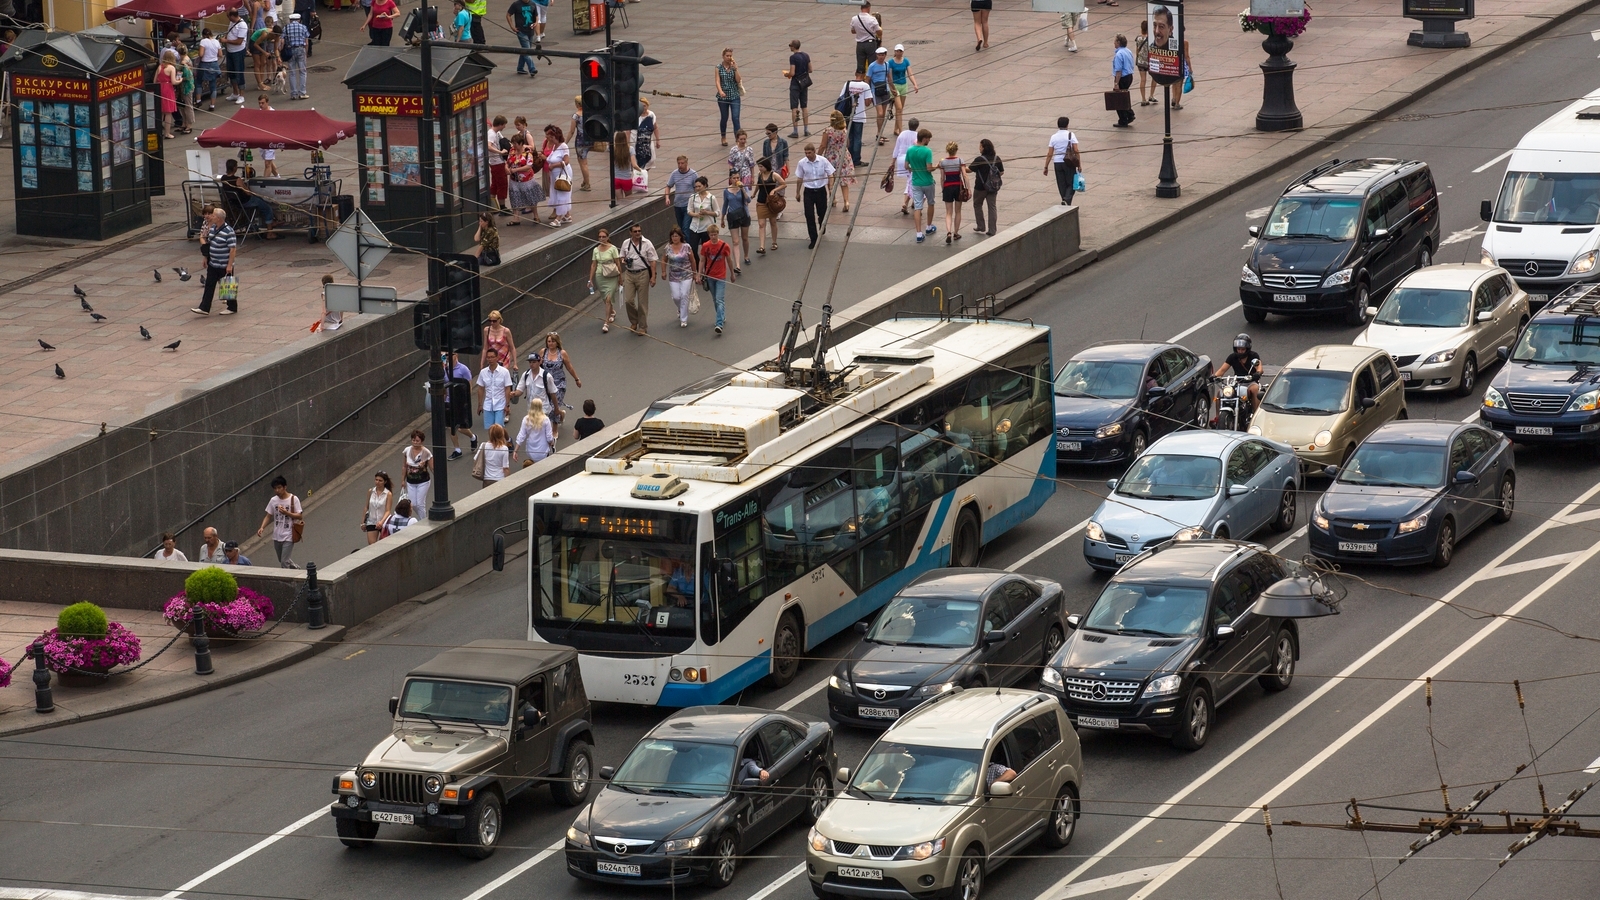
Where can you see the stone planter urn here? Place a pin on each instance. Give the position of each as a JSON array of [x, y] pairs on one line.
[[1278, 110]]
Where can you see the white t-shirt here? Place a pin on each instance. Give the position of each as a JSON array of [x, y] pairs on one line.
[[210, 49], [863, 95], [864, 27], [904, 142], [282, 525], [496, 158], [495, 382], [1060, 143], [239, 30], [177, 556]]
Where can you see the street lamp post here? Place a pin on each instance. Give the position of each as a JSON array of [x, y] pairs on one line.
[[440, 509], [1167, 187]]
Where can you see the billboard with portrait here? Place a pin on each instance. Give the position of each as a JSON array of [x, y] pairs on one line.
[[1166, 41]]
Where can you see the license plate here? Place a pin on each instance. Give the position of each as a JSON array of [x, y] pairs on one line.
[[1538, 298], [1357, 547], [1406, 377], [610, 868], [1092, 722], [1121, 558], [1288, 298], [855, 872], [1535, 429], [1072, 446], [877, 712], [394, 818]]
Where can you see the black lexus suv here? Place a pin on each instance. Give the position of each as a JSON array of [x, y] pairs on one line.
[[1549, 390], [1172, 637], [1341, 234]]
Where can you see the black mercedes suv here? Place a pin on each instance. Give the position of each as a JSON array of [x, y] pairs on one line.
[[1549, 390], [1172, 637], [1340, 235]]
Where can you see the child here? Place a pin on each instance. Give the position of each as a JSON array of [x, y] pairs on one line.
[[269, 156]]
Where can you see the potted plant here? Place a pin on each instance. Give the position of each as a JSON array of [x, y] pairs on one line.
[[1279, 20], [228, 610], [85, 642]]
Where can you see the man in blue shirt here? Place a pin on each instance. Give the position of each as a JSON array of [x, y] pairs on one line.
[[1122, 78], [882, 92], [297, 38]]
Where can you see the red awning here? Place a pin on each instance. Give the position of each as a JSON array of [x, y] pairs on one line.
[[169, 9], [278, 129]]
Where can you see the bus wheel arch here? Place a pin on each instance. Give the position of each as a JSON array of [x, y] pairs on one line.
[[788, 645]]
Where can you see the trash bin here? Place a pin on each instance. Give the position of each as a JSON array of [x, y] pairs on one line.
[[347, 206]]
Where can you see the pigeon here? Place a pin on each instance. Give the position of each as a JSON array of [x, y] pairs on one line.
[[156, 273], [60, 373], [79, 291], [97, 317], [173, 345], [85, 304], [183, 274], [144, 332], [44, 346]]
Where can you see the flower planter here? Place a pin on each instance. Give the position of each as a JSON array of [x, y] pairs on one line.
[[1278, 109], [95, 656], [248, 612]]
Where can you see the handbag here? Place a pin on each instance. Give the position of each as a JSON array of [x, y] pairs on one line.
[[286, 53], [228, 288], [1117, 101], [489, 258], [297, 531], [1078, 184], [776, 201], [966, 194], [888, 181], [804, 81], [562, 184], [1188, 83], [694, 300], [477, 463]]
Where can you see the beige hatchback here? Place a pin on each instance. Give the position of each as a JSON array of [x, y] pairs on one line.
[[1328, 399], [949, 792]]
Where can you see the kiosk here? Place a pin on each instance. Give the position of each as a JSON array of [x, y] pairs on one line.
[[385, 83]]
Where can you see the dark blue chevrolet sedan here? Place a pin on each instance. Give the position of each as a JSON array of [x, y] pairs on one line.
[[1411, 491]]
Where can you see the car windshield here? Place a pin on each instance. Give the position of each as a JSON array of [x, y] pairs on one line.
[[1163, 476], [456, 701], [1310, 392], [1549, 198], [662, 766], [1575, 342], [908, 773], [1323, 218], [1100, 378], [927, 622], [1425, 308], [1158, 609], [1396, 465]]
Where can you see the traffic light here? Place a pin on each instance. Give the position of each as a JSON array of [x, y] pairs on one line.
[[627, 80], [594, 78], [463, 320]]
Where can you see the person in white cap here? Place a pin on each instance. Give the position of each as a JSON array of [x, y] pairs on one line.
[[297, 39], [882, 93], [902, 81]]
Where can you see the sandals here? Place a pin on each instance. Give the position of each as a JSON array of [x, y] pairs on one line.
[[774, 246], [761, 251]]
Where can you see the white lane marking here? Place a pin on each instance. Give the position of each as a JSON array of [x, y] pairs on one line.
[[1593, 767], [1248, 243], [801, 698], [783, 879], [1594, 35], [1575, 518], [1121, 879], [1203, 322], [1465, 234], [1298, 534], [1257, 213], [1371, 719], [1533, 565], [524, 866], [243, 855], [1046, 546], [1491, 162], [1222, 765]]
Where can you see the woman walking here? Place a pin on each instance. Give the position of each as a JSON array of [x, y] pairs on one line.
[[536, 439], [730, 87], [680, 271], [647, 137], [715, 255], [166, 80], [283, 511], [580, 142], [495, 455], [736, 216], [605, 271], [497, 337], [742, 158], [836, 150], [380, 502], [522, 168], [904, 82], [955, 186], [703, 213], [557, 365], [419, 470], [558, 163], [980, 22], [768, 183], [986, 169]]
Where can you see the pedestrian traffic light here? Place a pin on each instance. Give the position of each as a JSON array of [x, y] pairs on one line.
[[594, 79], [460, 289], [626, 80]]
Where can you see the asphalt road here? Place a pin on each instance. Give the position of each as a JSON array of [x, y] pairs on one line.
[[225, 794]]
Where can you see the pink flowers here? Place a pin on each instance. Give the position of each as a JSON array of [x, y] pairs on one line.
[[5, 674], [249, 611], [119, 647], [1286, 26]]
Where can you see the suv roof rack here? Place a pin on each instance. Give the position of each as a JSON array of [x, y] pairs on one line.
[[1314, 172], [1580, 300]]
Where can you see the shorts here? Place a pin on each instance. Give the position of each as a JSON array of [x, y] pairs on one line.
[[540, 13], [762, 212], [978, 5], [797, 95], [492, 417], [921, 196], [952, 193], [902, 88]]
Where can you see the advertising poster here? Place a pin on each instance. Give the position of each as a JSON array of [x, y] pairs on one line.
[[1165, 22]]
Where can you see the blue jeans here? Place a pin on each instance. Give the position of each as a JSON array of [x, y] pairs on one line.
[[262, 207], [236, 70], [525, 39], [682, 214], [297, 71], [855, 141], [728, 106], [719, 287], [210, 74]]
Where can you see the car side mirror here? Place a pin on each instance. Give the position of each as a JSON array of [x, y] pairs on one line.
[[1372, 311], [394, 705], [1368, 403], [607, 772], [1465, 477], [1111, 483], [1485, 210], [1073, 621], [843, 774], [861, 627], [1504, 353], [1224, 632], [499, 552], [1379, 234], [750, 782], [1255, 231], [1331, 471], [1157, 391], [1485, 316], [1235, 490], [1001, 789], [993, 637]]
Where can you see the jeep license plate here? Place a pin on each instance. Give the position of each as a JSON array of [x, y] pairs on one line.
[[1545, 430], [1092, 722], [1121, 558], [1069, 446], [1357, 547], [856, 872], [877, 712], [394, 818], [1288, 298], [610, 868]]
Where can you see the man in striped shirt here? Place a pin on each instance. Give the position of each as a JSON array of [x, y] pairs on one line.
[[221, 247]]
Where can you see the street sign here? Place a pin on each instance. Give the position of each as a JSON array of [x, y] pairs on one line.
[[368, 250], [363, 298]]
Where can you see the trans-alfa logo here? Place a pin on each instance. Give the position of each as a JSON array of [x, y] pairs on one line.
[[726, 519]]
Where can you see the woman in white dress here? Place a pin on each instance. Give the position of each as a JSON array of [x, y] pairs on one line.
[[419, 470], [536, 439], [559, 164], [380, 503]]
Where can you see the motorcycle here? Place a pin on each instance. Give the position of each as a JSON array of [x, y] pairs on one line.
[[1233, 402]]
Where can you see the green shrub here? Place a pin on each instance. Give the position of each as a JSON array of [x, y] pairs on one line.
[[82, 620], [211, 585]]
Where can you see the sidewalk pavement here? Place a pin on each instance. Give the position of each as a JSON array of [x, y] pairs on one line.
[[1353, 62]]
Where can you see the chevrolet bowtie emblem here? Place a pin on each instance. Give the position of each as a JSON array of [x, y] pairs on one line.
[[1360, 526]]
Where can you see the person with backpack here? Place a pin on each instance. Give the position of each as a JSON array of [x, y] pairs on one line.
[[523, 19], [986, 169]]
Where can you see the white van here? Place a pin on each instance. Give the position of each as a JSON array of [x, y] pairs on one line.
[[1545, 227]]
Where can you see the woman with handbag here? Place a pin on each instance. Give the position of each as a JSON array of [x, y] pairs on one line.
[[419, 470], [703, 213], [580, 143], [288, 521], [835, 148], [605, 271], [646, 137], [736, 216], [769, 202], [680, 271], [497, 337], [380, 502], [559, 163], [487, 238], [955, 191], [492, 461], [986, 169], [556, 365], [742, 158]]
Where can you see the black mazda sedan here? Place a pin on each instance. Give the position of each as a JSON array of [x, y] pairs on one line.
[[1411, 491], [1115, 398], [705, 786]]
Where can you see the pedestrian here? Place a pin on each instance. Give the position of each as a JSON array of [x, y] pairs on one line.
[[283, 513], [638, 277], [523, 18], [478, 9], [418, 468], [495, 455], [541, 9], [1122, 77], [458, 404], [404, 514], [380, 22], [736, 218], [622, 164], [235, 41], [494, 390], [742, 158], [867, 30], [498, 339], [589, 423], [210, 547], [460, 21], [536, 438], [799, 75], [987, 169], [297, 37], [169, 552], [380, 502], [580, 142], [703, 213], [210, 68], [487, 237], [954, 171], [231, 555], [715, 256], [520, 123], [605, 271], [919, 162], [814, 173], [861, 93], [680, 187], [221, 247], [904, 82], [681, 270], [557, 365], [187, 89], [774, 149], [646, 137], [730, 87], [1062, 154], [1067, 18], [1141, 60], [498, 147], [836, 150], [903, 142], [559, 163], [522, 173], [166, 82], [768, 183], [263, 55], [980, 22], [882, 91]]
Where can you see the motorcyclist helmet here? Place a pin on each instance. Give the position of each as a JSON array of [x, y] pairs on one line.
[[1241, 342]]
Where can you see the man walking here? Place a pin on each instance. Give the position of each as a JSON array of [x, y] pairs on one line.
[[1122, 78], [221, 247], [494, 389], [638, 277], [479, 9], [814, 172], [235, 43], [1062, 153], [868, 34], [903, 142], [458, 404], [882, 93], [680, 187], [523, 19], [861, 95], [799, 75], [296, 37], [919, 162]]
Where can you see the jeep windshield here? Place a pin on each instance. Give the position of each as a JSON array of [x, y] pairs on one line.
[[1571, 343], [1101, 379], [1549, 198], [927, 622], [1131, 607], [1314, 218], [1425, 308], [909, 773], [1307, 392], [1165, 476], [438, 701], [683, 768]]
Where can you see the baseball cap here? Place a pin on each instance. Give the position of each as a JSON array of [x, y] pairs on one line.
[[293, 16], [883, 49], [900, 47], [231, 545]]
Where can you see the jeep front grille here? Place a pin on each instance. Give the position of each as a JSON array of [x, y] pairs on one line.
[[1085, 690], [400, 787]]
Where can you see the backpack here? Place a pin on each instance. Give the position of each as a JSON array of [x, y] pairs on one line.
[[846, 104]]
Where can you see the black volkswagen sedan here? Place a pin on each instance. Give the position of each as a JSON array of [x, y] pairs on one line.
[[1113, 399], [706, 785], [1411, 491], [951, 628]]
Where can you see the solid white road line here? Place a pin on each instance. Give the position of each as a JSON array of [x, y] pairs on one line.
[[1533, 565], [1046, 546], [1054, 891], [243, 855], [783, 879], [1203, 322], [801, 698], [1298, 534], [1371, 719], [1575, 518], [1593, 767], [1121, 879], [524, 866], [1465, 234], [1491, 163]]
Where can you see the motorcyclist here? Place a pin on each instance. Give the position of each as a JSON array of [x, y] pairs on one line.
[[1244, 362]]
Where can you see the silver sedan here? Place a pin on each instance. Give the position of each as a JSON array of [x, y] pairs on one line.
[[1442, 324]]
